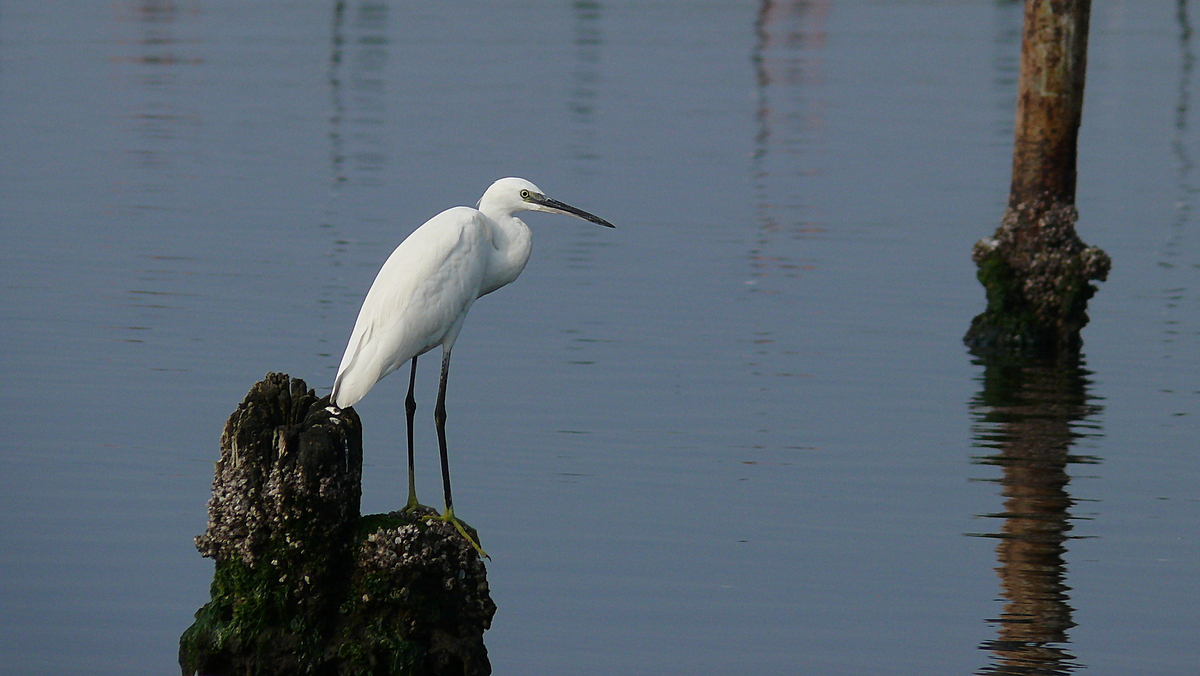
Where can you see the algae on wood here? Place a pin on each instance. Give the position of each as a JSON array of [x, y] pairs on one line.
[[1036, 270], [302, 584]]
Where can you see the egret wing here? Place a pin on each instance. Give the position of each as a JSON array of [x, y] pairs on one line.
[[416, 301]]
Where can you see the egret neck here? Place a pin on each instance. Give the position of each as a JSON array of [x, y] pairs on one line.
[[512, 242]]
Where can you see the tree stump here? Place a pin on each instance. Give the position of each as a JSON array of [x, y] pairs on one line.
[[302, 584]]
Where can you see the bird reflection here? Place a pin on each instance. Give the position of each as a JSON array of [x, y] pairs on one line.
[[1031, 414]]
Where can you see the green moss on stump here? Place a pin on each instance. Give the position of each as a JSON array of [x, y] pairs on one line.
[[302, 584], [1036, 273], [418, 602], [251, 627]]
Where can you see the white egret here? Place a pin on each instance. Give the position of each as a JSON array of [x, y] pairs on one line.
[[422, 294]]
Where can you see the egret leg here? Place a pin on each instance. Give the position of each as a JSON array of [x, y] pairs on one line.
[[410, 408], [439, 417]]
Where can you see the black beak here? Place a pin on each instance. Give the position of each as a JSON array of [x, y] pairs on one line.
[[568, 209]]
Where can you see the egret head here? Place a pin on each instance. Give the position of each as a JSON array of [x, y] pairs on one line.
[[510, 195]]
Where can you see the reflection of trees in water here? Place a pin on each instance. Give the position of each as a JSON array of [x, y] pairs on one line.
[[1030, 414]]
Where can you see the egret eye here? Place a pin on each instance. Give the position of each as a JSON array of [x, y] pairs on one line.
[[525, 194]]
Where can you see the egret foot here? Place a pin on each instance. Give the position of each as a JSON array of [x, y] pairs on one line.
[[417, 509], [462, 527]]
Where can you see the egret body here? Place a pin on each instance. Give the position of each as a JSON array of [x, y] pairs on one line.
[[421, 296]]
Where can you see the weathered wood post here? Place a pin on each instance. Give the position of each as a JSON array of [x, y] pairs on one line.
[[302, 584], [1035, 269]]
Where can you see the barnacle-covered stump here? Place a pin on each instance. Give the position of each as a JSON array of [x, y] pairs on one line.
[[1036, 270], [302, 584], [1037, 273]]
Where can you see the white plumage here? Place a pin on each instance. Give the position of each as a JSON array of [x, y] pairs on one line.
[[423, 292], [420, 298]]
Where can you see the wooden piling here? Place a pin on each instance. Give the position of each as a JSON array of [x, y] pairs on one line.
[[302, 584], [1035, 269]]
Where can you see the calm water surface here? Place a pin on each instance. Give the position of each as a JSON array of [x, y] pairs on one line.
[[739, 434]]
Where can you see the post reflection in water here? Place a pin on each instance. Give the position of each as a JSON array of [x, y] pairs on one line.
[[1178, 274], [356, 77], [157, 57], [584, 93], [789, 113], [157, 54], [1031, 414], [356, 121], [584, 97]]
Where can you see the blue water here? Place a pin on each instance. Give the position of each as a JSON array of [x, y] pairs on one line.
[[738, 434]]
